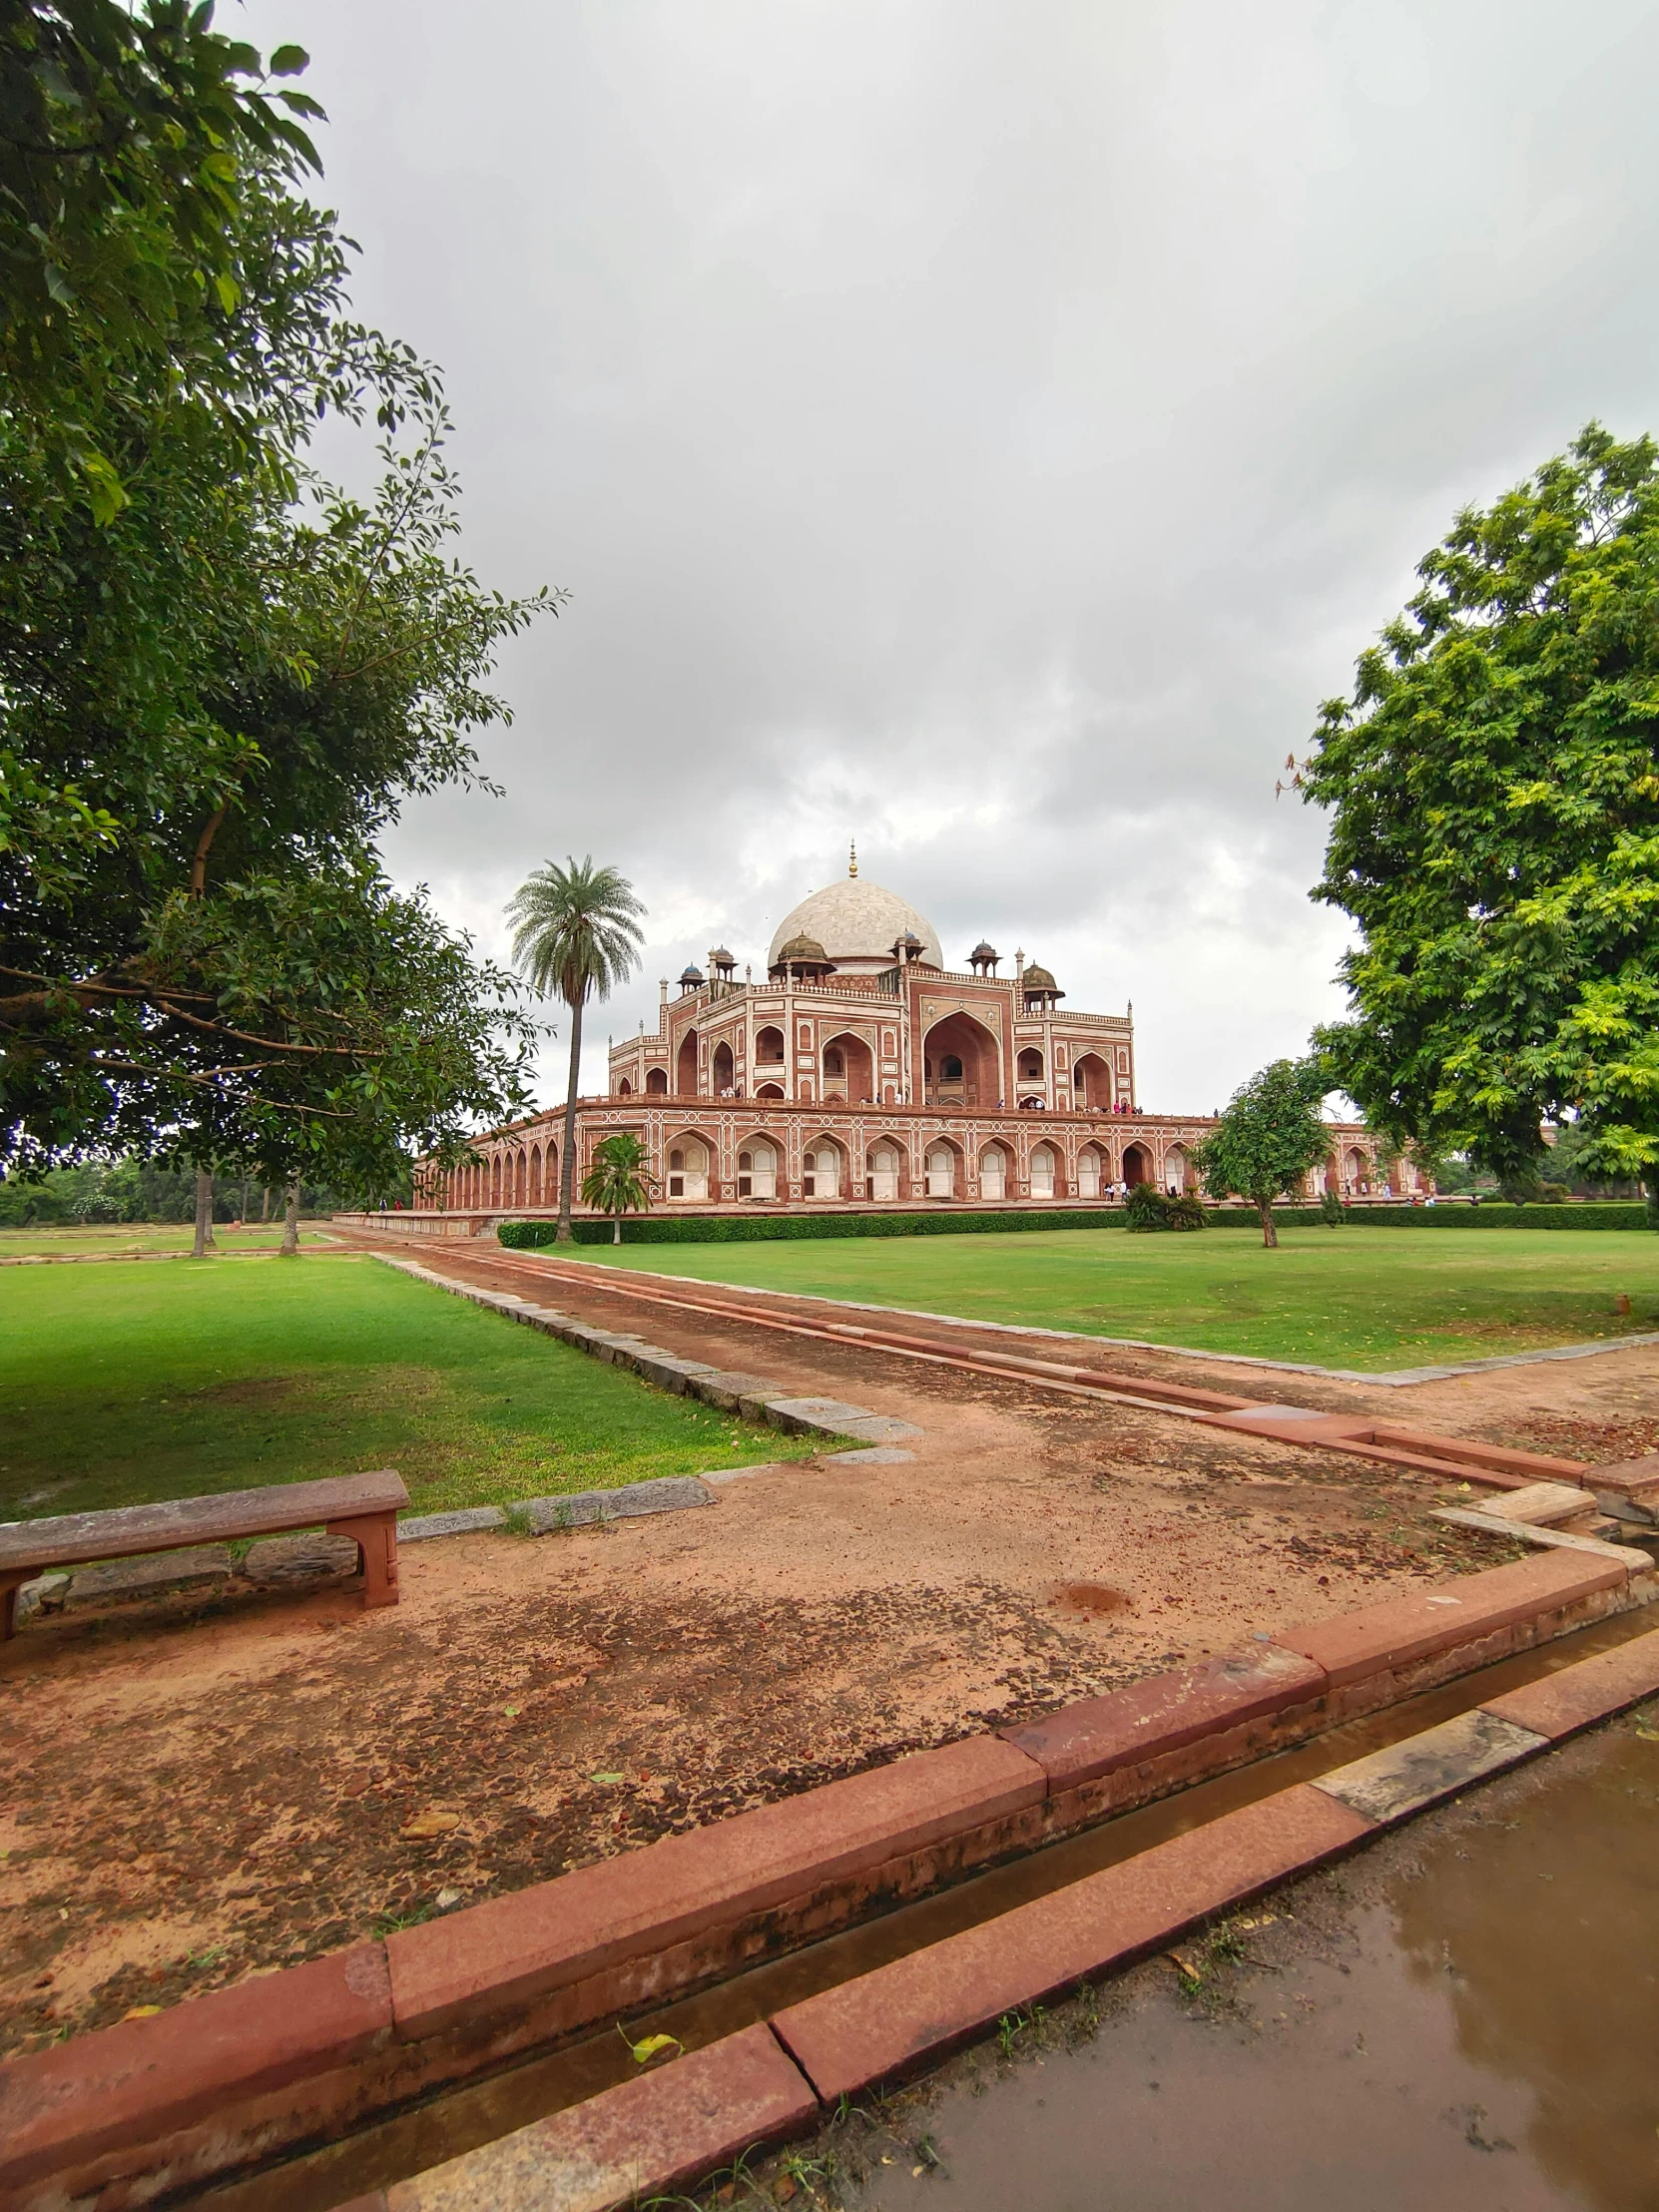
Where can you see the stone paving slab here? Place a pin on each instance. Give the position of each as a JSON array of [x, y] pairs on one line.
[[631, 2143], [278, 1562], [1166, 1712], [141, 2080], [1421, 1623], [916, 2009], [203, 1567], [1405, 1778], [1591, 1690], [727, 1389], [461, 1520], [45, 1594], [875, 1455], [1530, 1532], [878, 1429], [495, 1960], [669, 1493]]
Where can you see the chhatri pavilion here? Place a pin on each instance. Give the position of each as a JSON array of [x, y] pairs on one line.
[[865, 1070]]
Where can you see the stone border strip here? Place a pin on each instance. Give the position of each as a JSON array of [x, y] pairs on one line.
[[1393, 1379], [223, 2080], [673, 2127], [753, 1395]]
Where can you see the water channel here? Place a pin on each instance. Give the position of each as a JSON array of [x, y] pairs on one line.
[[1477, 2025], [1466, 2016]]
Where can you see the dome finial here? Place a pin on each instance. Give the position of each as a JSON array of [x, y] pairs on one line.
[[853, 857]]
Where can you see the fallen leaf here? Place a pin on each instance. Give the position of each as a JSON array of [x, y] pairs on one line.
[[512, 1711], [648, 2048], [141, 2012], [1648, 1735], [1187, 1963], [916, 2172], [606, 1778], [437, 1822], [449, 1898]]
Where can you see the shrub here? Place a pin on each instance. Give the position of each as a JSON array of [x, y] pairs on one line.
[[1331, 1210], [1147, 1209]]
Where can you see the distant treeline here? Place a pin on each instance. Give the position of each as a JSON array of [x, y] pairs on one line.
[[145, 1189]]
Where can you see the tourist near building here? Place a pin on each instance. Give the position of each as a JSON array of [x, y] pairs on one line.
[[864, 1070]]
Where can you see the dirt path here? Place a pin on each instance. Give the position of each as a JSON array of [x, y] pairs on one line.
[[201, 1790]]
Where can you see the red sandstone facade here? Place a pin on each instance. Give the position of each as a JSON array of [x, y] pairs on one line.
[[865, 1073]]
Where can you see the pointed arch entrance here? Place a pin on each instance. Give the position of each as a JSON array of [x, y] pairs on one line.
[[961, 1063]]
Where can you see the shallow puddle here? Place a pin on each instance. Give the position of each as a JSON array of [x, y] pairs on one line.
[[1471, 2022]]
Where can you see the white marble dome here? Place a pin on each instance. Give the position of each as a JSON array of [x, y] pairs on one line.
[[858, 925]]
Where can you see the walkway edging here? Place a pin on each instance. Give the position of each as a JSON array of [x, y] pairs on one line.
[[223, 2080]]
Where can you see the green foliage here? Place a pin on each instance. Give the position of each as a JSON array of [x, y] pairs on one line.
[[1150, 1209], [1493, 791], [694, 1228], [527, 1236], [1331, 1210], [619, 1182], [217, 690], [1268, 1138], [576, 932], [127, 137]]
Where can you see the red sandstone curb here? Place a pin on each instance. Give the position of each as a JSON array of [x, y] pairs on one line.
[[314, 2051]]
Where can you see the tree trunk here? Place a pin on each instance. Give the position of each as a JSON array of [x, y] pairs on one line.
[[204, 1214], [616, 1228], [567, 1165], [1270, 1235], [264, 1203], [288, 1249]]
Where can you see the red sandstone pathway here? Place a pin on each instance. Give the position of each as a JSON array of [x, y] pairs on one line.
[[201, 1790]]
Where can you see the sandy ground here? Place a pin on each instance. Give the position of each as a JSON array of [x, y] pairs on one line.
[[202, 1789]]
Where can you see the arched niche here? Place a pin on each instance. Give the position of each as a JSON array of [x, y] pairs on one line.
[[823, 1169], [759, 1165], [685, 1076], [1137, 1165], [847, 1069], [961, 1043], [1091, 1083]]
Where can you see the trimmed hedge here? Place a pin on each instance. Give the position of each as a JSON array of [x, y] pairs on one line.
[[784, 1228], [661, 1229]]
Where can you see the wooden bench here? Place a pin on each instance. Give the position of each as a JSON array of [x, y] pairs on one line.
[[361, 1506]]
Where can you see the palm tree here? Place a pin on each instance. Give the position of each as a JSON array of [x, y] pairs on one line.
[[617, 1183], [576, 932]]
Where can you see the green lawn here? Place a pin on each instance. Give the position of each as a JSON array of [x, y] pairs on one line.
[[1350, 1298], [122, 1384], [129, 1240]]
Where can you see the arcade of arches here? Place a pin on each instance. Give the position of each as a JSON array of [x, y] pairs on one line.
[[863, 1068], [770, 1153]]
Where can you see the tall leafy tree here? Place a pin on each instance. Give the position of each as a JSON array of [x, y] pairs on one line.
[[1494, 792], [576, 934], [127, 134], [217, 690], [1266, 1137]]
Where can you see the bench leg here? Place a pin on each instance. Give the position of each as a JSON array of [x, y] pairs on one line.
[[375, 1536], [11, 1581]]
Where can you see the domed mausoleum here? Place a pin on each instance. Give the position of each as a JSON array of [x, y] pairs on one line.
[[865, 1070]]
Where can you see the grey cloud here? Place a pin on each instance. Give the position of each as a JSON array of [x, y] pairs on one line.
[[987, 431]]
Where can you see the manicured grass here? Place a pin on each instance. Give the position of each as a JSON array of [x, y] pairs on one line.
[[1351, 1298], [126, 1240], [124, 1384]]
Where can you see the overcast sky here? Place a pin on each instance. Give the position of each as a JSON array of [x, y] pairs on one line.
[[987, 431]]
